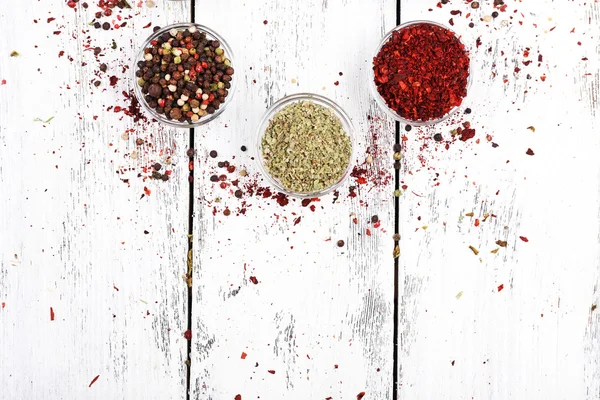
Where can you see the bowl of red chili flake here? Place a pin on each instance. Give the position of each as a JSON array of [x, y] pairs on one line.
[[421, 73]]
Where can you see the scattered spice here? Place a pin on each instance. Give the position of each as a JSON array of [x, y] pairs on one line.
[[94, 380], [360, 396], [474, 250], [14, 53], [51, 314], [188, 334], [523, 238], [243, 357], [502, 243], [184, 75], [500, 287], [422, 72], [305, 147], [254, 280], [529, 152], [340, 243]]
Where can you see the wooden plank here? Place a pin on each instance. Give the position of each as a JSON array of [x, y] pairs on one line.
[[84, 291], [319, 317], [516, 324]]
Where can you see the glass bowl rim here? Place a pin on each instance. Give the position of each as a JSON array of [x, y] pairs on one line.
[[138, 90], [381, 102], [279, 105]]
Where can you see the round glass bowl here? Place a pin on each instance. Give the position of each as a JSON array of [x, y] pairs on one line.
[[211, 35], [278, 106], [381, 101]]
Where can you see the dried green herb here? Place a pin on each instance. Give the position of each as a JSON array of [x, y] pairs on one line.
[[305, 147]]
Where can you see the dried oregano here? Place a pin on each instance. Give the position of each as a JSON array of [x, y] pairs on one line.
[[305, 147]]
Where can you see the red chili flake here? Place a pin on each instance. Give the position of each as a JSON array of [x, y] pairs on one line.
[[455, 12], [377, 224], [3, 82], [523, 238], [148, 25], [254, 280], [94, 380], [188, 334], [305, 202], [113, 80], [147, 191], [297, 221], [3, 304], [265, 22], [244, 355], [50, 19], [543, 78], [368, 232], [238, 397], [271, 371], [476, 221], [336, 83], [529, 152], [282, 199], [57, 32], [453, 363], [51, 314], [526, 63], [116, 288], [360, 395], [500, 287], [335, 366], [422, 72]]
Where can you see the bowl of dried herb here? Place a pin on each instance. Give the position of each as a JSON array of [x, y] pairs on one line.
[[305, 145], [420, 73]]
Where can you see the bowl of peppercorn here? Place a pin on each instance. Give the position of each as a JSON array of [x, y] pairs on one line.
[[184, 75], [305, 145], [420, 73]]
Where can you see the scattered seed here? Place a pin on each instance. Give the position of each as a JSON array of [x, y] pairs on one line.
[[213, 154], [340, 243]]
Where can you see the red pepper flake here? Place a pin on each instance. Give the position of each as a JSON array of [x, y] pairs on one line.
[[3, 82], [271, 371], [368, 232], [305, 202], [148, 25], [500, 287], [360, 395], [297, 221], [51, 314], [419, 90], [466, 134], [336, 83], [188, 334], [50, 19], [543, 78], [529, 152], [254, 280], [476, 221], [265, 22], [113, 80], [94, 380], [238, 397], [244, 355], [57, 33], [523, 238], [453, 363], [3, 305], [455, 12], [116, 288], [147, 191]]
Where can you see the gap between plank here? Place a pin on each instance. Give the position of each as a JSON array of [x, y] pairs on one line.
[[190, 241], [397, 259]]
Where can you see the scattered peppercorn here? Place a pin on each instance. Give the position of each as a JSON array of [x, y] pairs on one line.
[[340, 243], [157, 167], [106, 26], [97, 25], [139, 141], [407, 128], [437, 137], [397, 165], [397, 147], [226, 212], [396, 237], [467, 111], [238, 193], [471, 25], [397, 156], [374, 218], [220, 164], [190, 153], [495, 14], [184, 75], [103, 67], [97, 50], [213, 154], [445, 1], [97, 83], [428, 54], [475, 4], [214, 178], [244, 148]]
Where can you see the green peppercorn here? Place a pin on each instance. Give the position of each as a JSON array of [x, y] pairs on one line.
[[177, 60], [397, 156], [219, 51], [397, 193]]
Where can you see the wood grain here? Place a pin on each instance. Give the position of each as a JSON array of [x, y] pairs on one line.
[[518, 323], [84, 291], [320, 316]]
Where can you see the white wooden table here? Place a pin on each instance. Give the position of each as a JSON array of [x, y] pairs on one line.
[[94, 302]]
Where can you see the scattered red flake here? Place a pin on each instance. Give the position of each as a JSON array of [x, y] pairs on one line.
[[543, 78], [254, 280], [51, 314], [3, 82], [360, 395], [500, 287], [238, 397], [523, 238], [467, 134], [188, 334], [297, 221], [368, 232], [265, 22], [94, 380], [3, 304], [529, 152], [271, 371], [476, 221], [116, 288], [148, 25], [335, 366], [113, 80], [336, 83], [147, 191], [453, 363], [244, 355]]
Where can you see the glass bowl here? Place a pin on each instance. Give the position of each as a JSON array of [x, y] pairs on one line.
[[381, 102], [279, 105], [211, 35]]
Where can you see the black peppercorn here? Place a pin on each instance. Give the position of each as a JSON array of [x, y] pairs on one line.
[[468, 111], [407, 128], [495, 14], [374, 218], [243, 148], [106, 26], [103, 67], [190, 153], [397, 147], [214, 178], [437, 137], [340, 243], [220, 164], [157, 167], [238, 193]]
